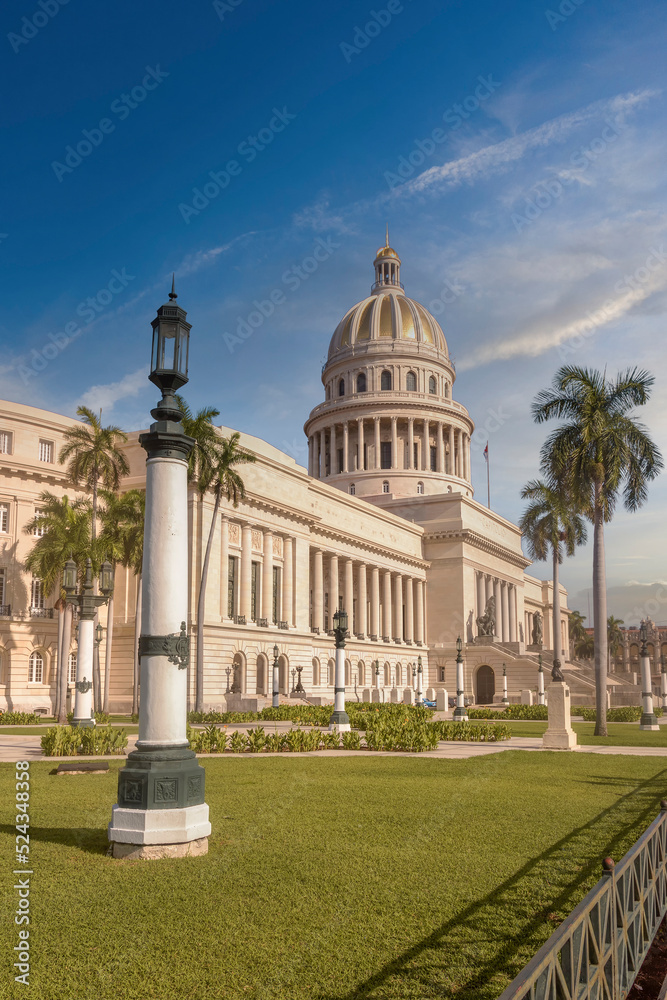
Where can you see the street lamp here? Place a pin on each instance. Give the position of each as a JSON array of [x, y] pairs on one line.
[[420, 698], [340, 721], [377, 673], [540, 683], [161, 810], [648, 719], [506, 700], [663, 681], [460, 713], [228, 671], [87, 602], [276, 678]]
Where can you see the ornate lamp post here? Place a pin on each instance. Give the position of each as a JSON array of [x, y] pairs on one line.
[[377, 673], [663, 681], [460, 713], [228, 671], [420, 680], [87, 602], [541, 700], [161, 810], [276, 678], [506, 700], [340, 721], [648, 719], [414, 676]]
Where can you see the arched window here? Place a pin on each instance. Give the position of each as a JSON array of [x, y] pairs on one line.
[[385, 487], [348, 673], [399, 675], [341, 387], [327, 392], [420, 487], [316, 672], [411, 382], [361, 383], [387, 675], [35, 668], [71, 668], [361, 668], [330, 673], [385, 380], [353, 489], [432, 385]]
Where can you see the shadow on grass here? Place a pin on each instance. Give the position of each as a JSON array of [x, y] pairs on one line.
[[489, 931], [92, 840]]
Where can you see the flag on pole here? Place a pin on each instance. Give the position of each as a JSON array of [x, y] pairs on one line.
[[486, 451]]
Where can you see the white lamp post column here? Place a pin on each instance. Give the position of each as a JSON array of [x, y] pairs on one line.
[[460, 712], [506, 700], [663, 682], [420, 682], [276, 678], [648, 719], [161, 812], [540, 684], [340, 721], [87, 602]]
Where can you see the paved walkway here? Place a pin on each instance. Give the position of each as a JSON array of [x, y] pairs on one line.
[[13, 748]]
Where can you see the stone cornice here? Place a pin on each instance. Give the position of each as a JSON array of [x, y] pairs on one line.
[[487, 545], [365, 546]]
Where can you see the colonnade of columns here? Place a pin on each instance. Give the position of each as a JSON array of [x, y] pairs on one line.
[[355, 446], [270, 554], [506, 604], [381, 604]]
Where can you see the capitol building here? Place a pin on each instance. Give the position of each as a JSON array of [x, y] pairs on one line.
[[383, 523]]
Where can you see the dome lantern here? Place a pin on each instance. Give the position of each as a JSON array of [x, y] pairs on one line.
[[387, 268]]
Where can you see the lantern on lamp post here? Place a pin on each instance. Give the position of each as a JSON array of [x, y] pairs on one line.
[[87, 603], [161, 810], [460, 712], [648, 719], [339, 721]]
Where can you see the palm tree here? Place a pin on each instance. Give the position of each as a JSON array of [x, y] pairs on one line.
[[614, 636], [584, 648], [576, 626], [599, 451], [223, 480], [64, 532], [94, 458], [203, 458], [122, 538], [550, 523]]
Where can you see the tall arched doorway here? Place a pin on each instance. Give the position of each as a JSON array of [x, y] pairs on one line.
[[283, 674], [262, 674], [485, 684], [238, 674]]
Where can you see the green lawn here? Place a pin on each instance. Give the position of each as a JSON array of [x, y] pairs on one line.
[[331, 878], [621, 734]]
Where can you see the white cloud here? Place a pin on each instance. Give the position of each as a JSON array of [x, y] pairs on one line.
[[105, 397]]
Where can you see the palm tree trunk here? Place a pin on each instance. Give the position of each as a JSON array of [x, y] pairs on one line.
[[64, 666], [107, 655], [60, 660], [557, 645], [201, 605], [600, 618], [137, 633]]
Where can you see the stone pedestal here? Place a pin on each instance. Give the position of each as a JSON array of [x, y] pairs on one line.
[[559, 735], [408, 696], [527, 697], [442, 701], [486, 640]]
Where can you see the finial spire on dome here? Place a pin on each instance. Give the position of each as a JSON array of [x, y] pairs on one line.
[[386, 242], [172, 293]]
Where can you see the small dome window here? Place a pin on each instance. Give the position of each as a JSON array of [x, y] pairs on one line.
[[432, 385], [385, 486], [385, 380], [361, 383], [411, 382], [420, 487], [353, 490], [341, 387]]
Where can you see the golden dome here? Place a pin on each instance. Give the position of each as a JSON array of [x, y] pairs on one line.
[[387, 252], [384, 317]]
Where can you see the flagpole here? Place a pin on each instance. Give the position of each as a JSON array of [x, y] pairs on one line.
[[488, 477]]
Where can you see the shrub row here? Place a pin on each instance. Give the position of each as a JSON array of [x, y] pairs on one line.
[[214, 740], [19, 719], [101, 718], [66, 741], [312, 715], [625, 713], [472, 733], [511, 712]]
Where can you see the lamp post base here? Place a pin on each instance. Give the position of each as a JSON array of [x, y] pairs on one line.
[[649, 722], [155, 852], [460, 715], [339, 722], [83, 723]]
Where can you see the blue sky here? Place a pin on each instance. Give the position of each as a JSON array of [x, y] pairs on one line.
[[531, 143]]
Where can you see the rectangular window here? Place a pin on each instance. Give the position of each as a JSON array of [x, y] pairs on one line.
[[254, 590], [72, 668], [385, 454], [46, 451], [231, 587], [5, 443], [340, 460], [4, 518], [36, 594], [416, 455], [39, 529], [434, 458], [276, 594]]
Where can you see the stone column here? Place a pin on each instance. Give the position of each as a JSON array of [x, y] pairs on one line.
[[318, 590], [333, 588], [323, 454], [376, 431], [441, 447], [348, 596], [346, 447], [394, 442], [499, 608], [360, 438], [398, 607], [504, 587], [267, 577], [362, 623], [481, 596], [375, 601], [426, 457], [310, 455], [411, 443], [488, 580], [224, 566], [452, 469], [246, 562], [419, 624], [332, 450], [386, 605], [288, 580], [409, 609], [468, 470], [512, 612]]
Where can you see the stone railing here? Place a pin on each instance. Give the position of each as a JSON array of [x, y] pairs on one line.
[[598, 950]]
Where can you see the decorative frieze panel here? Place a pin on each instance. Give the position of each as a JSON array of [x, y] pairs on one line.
[[256, 540], [234, 534]]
